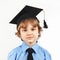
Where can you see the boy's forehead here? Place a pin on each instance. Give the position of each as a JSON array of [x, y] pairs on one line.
[[27, 25]]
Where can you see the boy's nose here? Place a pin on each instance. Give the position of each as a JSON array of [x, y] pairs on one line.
[[29, 35], [29, 32]]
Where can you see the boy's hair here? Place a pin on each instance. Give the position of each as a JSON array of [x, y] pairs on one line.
[[35, 22]]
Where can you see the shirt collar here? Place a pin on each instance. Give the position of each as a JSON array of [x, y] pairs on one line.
[[25, 47], [35, 47]]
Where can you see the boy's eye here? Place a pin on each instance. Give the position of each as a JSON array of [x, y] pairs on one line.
[[24, 30], [33, 29]]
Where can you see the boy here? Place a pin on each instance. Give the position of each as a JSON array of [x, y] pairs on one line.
[[29, 30]]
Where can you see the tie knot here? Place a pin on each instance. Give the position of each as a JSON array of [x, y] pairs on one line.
[[30, 50]]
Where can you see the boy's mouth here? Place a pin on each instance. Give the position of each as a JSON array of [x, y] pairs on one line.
[[29, 37]]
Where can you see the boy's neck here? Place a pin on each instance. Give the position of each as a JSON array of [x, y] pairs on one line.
[[31, 44]]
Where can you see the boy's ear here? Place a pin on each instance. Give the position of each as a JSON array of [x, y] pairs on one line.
[[18, 34], [39, 34]]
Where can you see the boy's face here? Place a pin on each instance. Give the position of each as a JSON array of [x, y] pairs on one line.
[[29, 35]]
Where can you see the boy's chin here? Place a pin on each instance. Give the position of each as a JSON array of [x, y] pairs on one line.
[[31, 41]]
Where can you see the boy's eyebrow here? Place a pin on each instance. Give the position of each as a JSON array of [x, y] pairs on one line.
[[23, 27], [26, 27], [34, 26]]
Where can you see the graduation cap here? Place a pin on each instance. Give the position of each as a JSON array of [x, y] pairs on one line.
[[25, 13]]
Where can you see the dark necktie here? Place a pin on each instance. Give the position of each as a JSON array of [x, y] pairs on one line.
[[30, 51]]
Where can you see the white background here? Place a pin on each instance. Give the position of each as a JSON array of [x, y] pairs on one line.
[[50, 37]]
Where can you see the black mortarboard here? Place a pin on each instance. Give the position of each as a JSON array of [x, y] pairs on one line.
[[27, 12]]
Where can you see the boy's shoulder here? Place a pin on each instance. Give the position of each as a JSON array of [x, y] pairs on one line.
[[15, 51], [45, 52], [43, 49]]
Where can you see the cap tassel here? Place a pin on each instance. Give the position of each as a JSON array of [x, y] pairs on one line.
[[45, 24]]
